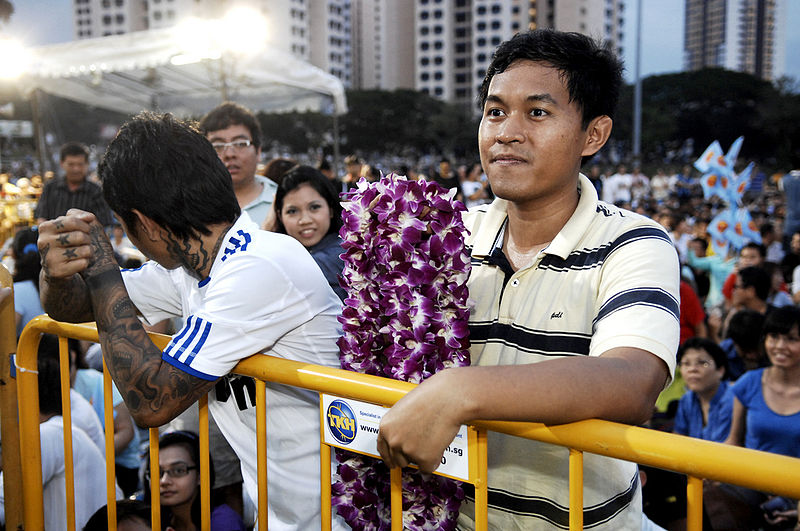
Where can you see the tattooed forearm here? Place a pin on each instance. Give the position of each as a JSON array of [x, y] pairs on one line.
[[65, 299], [154, 391]]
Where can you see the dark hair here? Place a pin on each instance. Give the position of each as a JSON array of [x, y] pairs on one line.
[[701, 241], [228, 114], [164, 168], [191, 442], [26, 256], [757, 246], [713, 350], [74, 149], [298, 176], [758, 278], [49, 376], [277, 168], [781, 320], [593, 74], [127, 510], [744, 329]]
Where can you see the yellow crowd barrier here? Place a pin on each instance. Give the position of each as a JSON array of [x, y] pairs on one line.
[[696, 458]]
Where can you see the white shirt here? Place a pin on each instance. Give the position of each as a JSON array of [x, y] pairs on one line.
[[89, 468], [264, 294]]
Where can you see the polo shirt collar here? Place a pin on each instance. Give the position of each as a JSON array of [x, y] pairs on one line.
[[565, 241]]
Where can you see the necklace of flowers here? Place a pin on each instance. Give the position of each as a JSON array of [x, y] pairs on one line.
[[405, 317]]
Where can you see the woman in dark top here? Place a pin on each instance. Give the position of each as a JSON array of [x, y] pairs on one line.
[[308, 209]]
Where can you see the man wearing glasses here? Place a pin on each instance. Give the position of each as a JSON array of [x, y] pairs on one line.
[[236, 136]]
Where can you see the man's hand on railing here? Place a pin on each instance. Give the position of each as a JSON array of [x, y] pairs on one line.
[[419, 427]]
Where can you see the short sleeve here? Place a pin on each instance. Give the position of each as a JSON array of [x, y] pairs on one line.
[[257, 302], [153, 290], [638, 297]]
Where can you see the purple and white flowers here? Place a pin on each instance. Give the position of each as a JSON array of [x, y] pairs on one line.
[[405, 317]]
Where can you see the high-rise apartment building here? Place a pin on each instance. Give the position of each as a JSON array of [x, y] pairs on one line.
[[98, 18], [743, 35], [318, 31], [441, 47], [455, 39]]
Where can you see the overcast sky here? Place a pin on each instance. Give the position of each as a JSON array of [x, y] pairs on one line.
[[50, 21]]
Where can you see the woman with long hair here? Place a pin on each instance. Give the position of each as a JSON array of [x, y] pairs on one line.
[[307, 208]]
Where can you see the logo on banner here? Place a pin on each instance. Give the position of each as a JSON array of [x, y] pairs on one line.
[[341, 421]]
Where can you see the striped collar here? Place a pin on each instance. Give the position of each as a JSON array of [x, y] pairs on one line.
[[567, 239]]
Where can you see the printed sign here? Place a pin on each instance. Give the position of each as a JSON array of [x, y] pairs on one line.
[[353, 425]]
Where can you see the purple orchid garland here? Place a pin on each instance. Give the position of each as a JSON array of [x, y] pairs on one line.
[[405, 317]]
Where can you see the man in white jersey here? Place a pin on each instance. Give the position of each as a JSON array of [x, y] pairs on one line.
[[576, 300], [241, 291]]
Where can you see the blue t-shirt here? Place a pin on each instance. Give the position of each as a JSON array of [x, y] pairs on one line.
[[326, 254], [689, 417], [26, 302], [765, 429], [89, 383]]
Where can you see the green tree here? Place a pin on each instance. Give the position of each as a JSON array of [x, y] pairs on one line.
[[714, 104]]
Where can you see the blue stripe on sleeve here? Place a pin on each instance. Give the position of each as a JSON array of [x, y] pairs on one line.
[[188, 370], [200, 343], [175, 340], [655, 297]]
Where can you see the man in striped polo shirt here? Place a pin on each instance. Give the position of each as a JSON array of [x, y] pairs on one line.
[[576, 300], [73, 190]]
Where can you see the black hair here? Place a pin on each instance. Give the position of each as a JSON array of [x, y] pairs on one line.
[[298, 176], [593, 73], [781, 320], [713, 350], [49, 376], [164, 168], [191, 442], [74, 149], [744, 329], [26, 256], [127, 511], [277, 168], [758, 278], [757, 246], [228, 114]]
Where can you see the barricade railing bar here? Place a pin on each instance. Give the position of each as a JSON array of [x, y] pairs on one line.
[[696, 458]]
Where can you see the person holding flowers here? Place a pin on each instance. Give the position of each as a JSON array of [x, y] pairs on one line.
[[575, 300]]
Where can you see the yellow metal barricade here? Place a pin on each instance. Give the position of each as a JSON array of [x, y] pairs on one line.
[[696, 458]]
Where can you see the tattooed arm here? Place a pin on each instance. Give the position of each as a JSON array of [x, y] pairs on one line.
[[65, 252], [154, 391]]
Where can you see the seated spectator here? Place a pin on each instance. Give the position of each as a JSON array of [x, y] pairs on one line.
[[26, 277], [704, 412], [307, 208], [89, 383], [766, 416], [751, 255], [693, 318], [742, 343], [778, 295], [89, 464], [277, 168], [179, 486], [132, 515]]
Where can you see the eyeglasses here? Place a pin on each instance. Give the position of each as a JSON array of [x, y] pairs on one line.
[[237, 145], [178, 471], [687, 364]]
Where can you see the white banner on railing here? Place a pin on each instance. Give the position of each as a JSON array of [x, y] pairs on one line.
[[353, 425]]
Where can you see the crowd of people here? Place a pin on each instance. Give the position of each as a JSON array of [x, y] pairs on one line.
[[645, 324]]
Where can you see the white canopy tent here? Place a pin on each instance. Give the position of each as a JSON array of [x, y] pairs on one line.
[[153, 70]]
